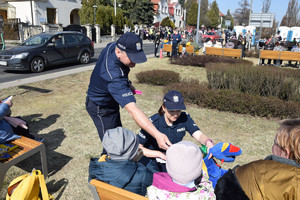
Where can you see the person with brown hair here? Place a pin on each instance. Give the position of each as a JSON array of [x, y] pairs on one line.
[[275, 177]]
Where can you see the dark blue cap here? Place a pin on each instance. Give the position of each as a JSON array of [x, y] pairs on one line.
[[173, 100], [132, 44]]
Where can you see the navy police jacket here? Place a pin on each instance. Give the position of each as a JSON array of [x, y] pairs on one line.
[[175, 133], [176, 38], [109, 85]]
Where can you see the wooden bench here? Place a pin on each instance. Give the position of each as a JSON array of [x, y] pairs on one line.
[[104, 191], [26, 148], [189, 49], [167, 48], [278, 55], [214, 51]]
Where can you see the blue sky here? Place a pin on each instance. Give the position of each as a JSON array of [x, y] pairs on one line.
[[278, 7]]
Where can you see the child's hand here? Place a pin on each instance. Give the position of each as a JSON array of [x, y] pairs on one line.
[[8, 102]]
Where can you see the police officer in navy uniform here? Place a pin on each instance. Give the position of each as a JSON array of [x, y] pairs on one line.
[[176, 39], [174, 123], [109, 87]]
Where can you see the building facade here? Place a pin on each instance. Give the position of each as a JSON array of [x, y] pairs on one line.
[[171, 9], [38, 12]]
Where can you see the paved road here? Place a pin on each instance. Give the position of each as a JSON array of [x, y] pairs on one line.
[[14, 78]]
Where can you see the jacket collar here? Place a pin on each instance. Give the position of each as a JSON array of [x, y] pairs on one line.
[[283, 160], [163, 181]]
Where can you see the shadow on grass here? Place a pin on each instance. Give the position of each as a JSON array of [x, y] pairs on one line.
[[55, 186], [52, 140], [37, 123], [30, 88], [56, 161]]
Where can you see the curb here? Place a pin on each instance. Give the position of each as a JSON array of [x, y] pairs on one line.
[[50, 76]]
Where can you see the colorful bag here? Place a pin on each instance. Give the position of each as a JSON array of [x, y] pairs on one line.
[[27, 187], [4, 148]]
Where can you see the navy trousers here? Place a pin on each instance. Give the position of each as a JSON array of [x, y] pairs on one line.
[[174, 50], [103, 117]]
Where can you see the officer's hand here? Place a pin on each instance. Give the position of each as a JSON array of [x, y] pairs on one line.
[[132, 88], [163, 141]]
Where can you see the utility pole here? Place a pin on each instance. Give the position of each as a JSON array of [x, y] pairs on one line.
[[31, 13], [113, 27], [198, 21]]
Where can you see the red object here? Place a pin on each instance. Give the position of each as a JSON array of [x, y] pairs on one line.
[[212, 35], [233, 148], [161, 54], [138, 92]]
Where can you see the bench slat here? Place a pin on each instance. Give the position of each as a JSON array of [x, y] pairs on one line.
[[110, 192], [269, 54], [223, 52], [213, 51], [16, 153], [232, 52], [26, 142], [190, 49], [167, 48], [289, 55]]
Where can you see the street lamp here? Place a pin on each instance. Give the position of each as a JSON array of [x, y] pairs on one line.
[[94, 6], [198, 22], [115, 8]]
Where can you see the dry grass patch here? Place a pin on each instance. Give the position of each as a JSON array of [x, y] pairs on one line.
[[56, 111]]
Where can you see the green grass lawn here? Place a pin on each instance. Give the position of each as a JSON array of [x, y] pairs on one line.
[[55, 110]]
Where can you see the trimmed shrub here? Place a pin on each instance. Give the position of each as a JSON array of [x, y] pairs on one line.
[[203, 60], [237, 102], [158, 77], [256, 80]]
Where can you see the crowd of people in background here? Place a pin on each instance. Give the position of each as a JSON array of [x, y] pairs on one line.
[[277, 43], [227, 39]]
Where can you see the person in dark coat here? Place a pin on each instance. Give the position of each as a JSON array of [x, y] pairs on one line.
[[119, 167], [176, 39], [156, 43], [275, 177]]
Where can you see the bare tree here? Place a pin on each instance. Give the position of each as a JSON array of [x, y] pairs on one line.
[[284, 21], [292, 14], [266, 6], [241, 14]]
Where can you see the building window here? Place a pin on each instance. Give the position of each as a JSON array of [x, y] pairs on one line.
[[51, 15]]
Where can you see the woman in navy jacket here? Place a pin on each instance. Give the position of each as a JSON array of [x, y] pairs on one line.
[[174, 123]]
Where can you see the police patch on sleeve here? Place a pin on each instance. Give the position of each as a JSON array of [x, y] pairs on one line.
[[127, 94], [142, 135]]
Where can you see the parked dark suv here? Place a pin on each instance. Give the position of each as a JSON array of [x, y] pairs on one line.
[[47, 49]]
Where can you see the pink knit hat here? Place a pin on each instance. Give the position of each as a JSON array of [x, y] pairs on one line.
[[184, 162]]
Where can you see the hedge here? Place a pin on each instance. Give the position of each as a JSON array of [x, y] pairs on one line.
[[256, 80], [158, 77], [203, 60], [236, 102]]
